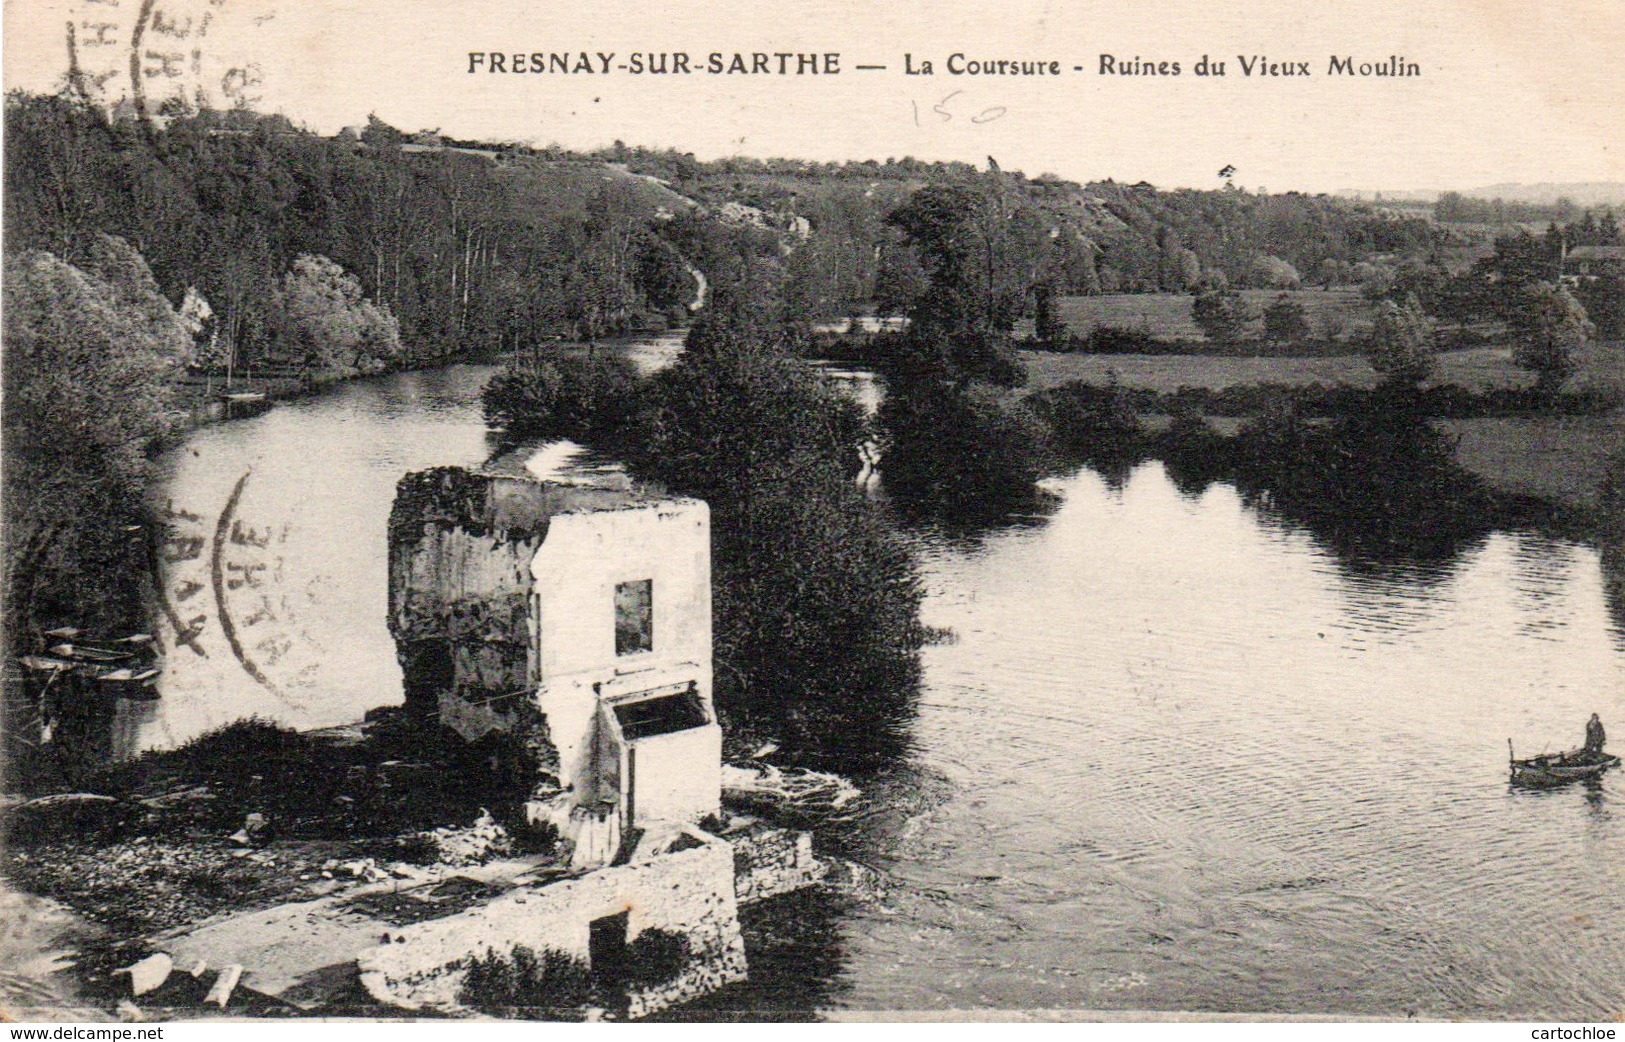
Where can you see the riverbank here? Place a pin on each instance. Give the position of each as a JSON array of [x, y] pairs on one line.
[[1563, 460], [209, 398]]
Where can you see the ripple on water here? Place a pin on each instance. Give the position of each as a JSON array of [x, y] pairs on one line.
[[1199, 748]]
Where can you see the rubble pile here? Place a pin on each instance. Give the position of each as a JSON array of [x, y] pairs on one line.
[[476, 844]]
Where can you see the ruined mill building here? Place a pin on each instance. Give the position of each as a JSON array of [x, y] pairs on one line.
[[572, 621], [575, 619]]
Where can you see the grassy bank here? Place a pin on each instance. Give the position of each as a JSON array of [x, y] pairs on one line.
[[1602, 365], [1560, 459], [1167, 316]]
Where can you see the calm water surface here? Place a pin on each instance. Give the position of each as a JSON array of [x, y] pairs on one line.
[[1176, 756], [1182, 758]]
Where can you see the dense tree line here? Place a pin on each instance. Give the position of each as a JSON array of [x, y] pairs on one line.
[[1455, 207], [467, 251]]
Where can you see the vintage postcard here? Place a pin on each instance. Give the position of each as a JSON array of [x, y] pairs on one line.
[[813, 511]]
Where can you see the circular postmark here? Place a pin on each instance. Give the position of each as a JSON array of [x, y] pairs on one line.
[[153, 59], [223, 590]]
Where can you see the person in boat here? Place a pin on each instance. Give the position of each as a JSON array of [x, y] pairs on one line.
[[1595, 735]]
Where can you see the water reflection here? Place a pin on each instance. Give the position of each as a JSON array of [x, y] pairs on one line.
[[1189, 761], [1188, 747], [1613, 570]]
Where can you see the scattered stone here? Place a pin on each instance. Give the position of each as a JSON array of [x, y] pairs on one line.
[[258, 828], [480, 842], [255, 831], [149, 973], [129, 1013], [366, 869], [224, 985], [330, 864], [198, 968]]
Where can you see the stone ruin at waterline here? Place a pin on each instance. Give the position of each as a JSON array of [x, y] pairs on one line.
[[566, 630], [572, 623]]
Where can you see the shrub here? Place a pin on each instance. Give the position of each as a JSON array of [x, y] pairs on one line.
[[1092, 421], [526, 982], [1125, 340], [967, 448], [1402, 343], [1548, 328], [1285, 321], [571, 396], [656, 956], [1221, 314]]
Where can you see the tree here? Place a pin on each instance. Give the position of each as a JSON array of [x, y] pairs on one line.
[[1603, 297], [1274, 273], [815, 601], [1549, 328], [982, 252], [1222, 315], [1285, 321], [1048, 326], [899, 280], [91, 356], [327, 326], [1520, 261], [960, 449], [1402, 343], [571, 396]]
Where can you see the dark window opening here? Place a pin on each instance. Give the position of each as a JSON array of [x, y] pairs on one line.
[[426, 670], [664, 715], [634, 617]]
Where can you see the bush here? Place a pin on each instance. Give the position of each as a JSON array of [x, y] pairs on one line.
[[1222, 315], [1125, 340], [1285, 321], [966, 449], [526, 982], [1548, 328], [571, 396], [1092, 421], [1402, 343], [656, 956]]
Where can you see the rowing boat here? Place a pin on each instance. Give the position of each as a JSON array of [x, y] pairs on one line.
[[1557, 768]]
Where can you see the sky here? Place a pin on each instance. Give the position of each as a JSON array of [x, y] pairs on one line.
[[1507, 90]]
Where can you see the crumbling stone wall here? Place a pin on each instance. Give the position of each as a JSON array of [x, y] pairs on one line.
[[459, 604], [690, 892], [771, 861]]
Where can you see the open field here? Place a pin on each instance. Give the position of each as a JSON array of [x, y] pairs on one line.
[[1560, 459], [1168, 315], [1477, 369]]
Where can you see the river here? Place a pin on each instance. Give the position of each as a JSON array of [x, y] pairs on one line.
[[1176, 754]]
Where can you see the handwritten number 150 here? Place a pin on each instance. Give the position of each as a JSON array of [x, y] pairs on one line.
[[945, 113]]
